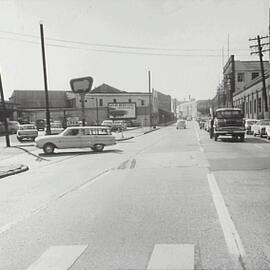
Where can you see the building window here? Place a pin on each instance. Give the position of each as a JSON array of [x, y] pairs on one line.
[[129, 100], [250, 106], [240, 77], [114, 100], [247, 111], [100, 102], [259, 105], [255, 107], [254, 75], [142, 102]]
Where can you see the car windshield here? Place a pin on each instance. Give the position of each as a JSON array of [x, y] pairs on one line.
[[228, 114], [27, 127], [251, 122]]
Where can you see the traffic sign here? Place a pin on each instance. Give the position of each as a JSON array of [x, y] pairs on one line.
[[81, 85]]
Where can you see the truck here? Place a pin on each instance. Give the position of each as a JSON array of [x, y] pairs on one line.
[[229, 122]]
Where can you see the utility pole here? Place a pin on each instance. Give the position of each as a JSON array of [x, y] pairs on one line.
[[260, 51], [82, 95], [4, 113], [150, 102], [48, 121]]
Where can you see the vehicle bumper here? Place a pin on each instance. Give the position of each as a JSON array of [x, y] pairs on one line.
[[229, 132]]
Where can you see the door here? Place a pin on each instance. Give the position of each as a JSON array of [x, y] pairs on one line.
[[71, 138]]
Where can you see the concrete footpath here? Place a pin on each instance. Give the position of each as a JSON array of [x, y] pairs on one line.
[[8, 168], [6, 153]]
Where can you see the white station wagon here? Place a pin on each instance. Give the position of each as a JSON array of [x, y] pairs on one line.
[[94, 137]]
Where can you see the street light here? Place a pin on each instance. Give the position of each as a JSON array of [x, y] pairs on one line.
[[96, 107]]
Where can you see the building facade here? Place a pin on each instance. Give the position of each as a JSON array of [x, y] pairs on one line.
[[64, 105], [237, 76], [251, 100]]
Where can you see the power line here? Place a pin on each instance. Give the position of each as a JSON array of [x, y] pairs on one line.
[[117, 52], [113, 45]]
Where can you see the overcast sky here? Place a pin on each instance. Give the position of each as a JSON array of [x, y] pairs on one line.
[[118, 41]]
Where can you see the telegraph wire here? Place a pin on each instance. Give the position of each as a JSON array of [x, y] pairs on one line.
[[114, 45], [117, 52]]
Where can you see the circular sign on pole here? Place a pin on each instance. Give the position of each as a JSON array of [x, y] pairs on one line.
[[81, 85]]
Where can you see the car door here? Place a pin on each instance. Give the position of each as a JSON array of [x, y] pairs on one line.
[[71, 138]]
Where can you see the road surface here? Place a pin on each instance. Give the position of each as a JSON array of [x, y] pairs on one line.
[[171, 199]]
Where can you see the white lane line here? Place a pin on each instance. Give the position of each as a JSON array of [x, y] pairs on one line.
[[35, 211], [231, 235], [58, 258], [172, 256], [258, 146]]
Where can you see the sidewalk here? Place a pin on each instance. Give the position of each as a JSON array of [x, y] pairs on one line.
[[6, 153], [131, 133], [7, 169]]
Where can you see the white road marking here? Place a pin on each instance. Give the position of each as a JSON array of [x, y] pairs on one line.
[[172, 256], [58, 258], [258, 146], [35, 211], [231, 235]]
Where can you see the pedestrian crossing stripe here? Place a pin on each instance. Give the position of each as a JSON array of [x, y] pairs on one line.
[[58, 257], [171, 257]]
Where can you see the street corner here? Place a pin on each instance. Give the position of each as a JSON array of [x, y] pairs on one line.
[[8, 170], [124, 139], [152, 130]]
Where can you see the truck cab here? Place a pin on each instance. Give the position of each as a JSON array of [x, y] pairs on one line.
[[229, 122]]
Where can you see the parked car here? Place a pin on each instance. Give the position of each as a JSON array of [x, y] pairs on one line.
[[94, 137], [119, 125], [202, 123], [27, 131], [13, 126], [56, 128], [260, 127], [107, 123], [229, 122], [115, 125], [40, 124], [248, 125], [267, 131], [181, 124]]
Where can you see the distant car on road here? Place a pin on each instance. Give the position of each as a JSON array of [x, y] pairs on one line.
[[181, 124], [248, 125], [27, 131], [94, 137], [260, 127]]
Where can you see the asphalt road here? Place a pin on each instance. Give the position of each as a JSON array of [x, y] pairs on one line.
[[171, 197]]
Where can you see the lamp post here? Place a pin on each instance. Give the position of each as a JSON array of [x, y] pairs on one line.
[[96, 108]]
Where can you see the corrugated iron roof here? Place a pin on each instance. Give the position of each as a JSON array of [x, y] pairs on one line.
[[251, 65], [36, 98]]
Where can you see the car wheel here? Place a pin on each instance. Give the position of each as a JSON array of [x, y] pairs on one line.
[[242, 138], [98, 147], [48, 148], [267, 137], [216, 137]]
